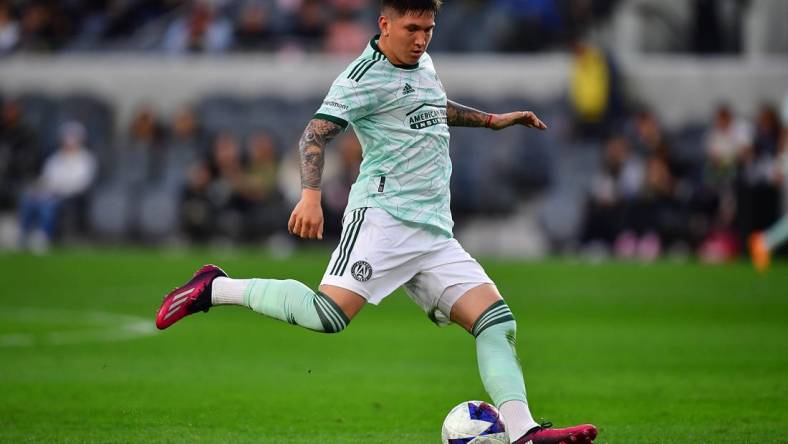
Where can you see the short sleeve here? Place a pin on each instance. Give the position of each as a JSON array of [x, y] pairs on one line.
[[347, 101]]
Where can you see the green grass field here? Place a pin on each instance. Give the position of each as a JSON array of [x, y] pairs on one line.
[[665, 353]]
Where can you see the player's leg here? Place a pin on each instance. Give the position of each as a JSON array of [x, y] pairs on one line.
[[483, 313], [451, 285], [358, 271], [777, 234], [328, 310], [763, 243]]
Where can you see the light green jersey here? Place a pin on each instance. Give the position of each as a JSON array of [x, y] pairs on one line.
[[399, 115]]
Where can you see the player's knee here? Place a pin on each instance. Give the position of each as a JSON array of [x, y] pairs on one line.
[[337, 329], [498, 315], [332, 318]]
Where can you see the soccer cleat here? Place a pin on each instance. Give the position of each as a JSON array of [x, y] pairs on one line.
[[190, 298], [582, 434], [759, 252]]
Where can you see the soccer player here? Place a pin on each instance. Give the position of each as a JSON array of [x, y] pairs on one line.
[[762, 243], [397, 227]]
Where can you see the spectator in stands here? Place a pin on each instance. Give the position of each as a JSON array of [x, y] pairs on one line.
[[187, 131], [648, 139], [213, 201], [45, 27], [527, 26], [140, 158], [345, 35], [186, 142], [18, 154], [726, 142], [226, 190], [201, 30], [714, 26], [647, 135], [67, 175], [308, 25], [655, 219], [266, 209], [120, 19], [259, 182], [613, 189], [594, 91], [253, 30], [196, 212], [9, 29], [763, 244], [355, 7], [758, 187]]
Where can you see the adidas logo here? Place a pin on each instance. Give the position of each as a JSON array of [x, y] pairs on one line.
[[408, 90]]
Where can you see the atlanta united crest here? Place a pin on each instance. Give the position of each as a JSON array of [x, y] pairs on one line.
[[361, 271]]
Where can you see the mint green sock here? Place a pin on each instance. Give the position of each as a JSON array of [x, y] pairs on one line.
[[502, 376], [777, 234], [295, 303]]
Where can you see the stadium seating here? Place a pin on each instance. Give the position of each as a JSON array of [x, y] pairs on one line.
[[492, 171]]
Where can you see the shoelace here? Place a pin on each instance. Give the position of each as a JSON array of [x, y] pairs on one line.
[[543, 424]]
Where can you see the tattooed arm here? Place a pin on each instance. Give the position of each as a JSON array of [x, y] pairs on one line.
[[461, 115], [306, 220], [312, 147]]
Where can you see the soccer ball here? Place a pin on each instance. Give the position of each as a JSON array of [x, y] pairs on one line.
[[474, 422]]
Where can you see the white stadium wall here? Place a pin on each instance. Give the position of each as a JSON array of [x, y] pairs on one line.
[[681, 89]]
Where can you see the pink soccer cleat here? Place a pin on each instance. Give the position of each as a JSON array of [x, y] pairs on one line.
[[190, 298], [582, 434]]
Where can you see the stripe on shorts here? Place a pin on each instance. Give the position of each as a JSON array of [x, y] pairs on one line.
[[356, 230], [497, 313], [344, 242]]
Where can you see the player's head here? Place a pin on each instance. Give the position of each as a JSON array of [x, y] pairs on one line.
[[406, 26]]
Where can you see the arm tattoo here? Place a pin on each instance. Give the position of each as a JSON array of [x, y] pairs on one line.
[[461, 115], [312, 148]]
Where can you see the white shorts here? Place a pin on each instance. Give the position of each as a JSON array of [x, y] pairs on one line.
[[378, 254]]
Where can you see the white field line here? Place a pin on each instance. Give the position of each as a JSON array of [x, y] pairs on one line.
[[98, 326]]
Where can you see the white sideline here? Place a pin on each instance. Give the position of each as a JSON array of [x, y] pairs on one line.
[[99, 326]]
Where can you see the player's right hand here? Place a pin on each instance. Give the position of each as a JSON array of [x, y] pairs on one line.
[[306, 221]]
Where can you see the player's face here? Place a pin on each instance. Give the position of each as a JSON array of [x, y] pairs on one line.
[[408, 35]]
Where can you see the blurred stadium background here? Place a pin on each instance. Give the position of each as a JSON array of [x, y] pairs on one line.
[[666, 121], [140, 139]]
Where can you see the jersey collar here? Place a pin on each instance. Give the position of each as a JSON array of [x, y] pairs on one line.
[[374, 45]]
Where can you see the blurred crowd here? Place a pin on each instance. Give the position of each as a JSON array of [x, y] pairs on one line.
[[161, 178], [696, 189], [650, 196], [225, 168], [333, 26]]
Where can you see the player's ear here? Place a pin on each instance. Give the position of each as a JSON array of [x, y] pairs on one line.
[[383, 24]]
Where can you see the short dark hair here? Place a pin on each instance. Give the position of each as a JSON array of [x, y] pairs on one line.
[[413, 6]]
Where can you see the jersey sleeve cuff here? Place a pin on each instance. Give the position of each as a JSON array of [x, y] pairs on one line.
[[330, 118]]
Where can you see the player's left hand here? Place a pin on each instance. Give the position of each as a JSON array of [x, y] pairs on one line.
[[527, 118]]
